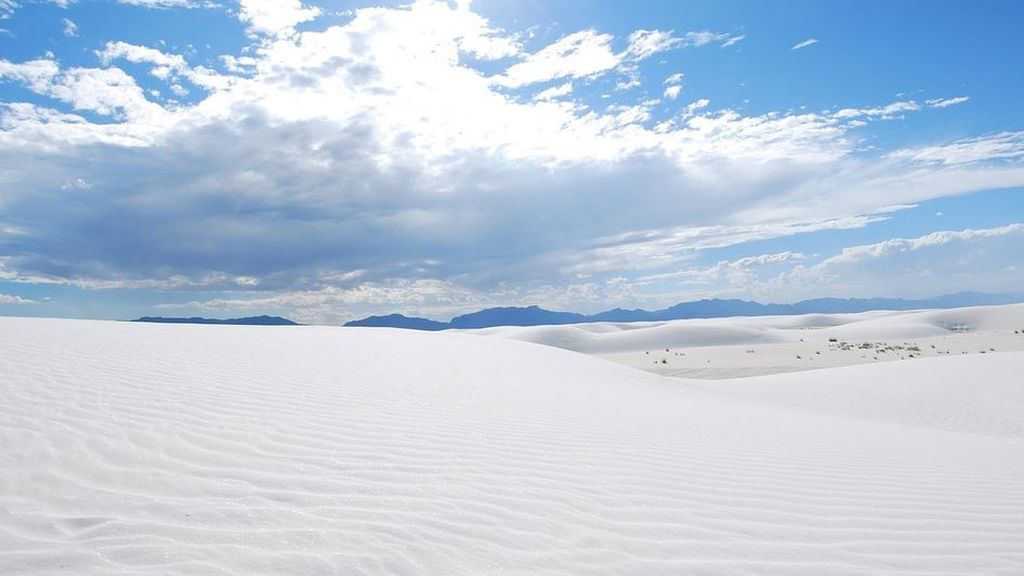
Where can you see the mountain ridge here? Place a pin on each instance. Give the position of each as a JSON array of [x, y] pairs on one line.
[[704, 308], [262, 320]]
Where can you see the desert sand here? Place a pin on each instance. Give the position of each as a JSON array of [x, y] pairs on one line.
[[751, 346], [223, 450]]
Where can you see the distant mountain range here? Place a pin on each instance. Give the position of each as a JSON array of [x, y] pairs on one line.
[[715, 308], [247, 321]]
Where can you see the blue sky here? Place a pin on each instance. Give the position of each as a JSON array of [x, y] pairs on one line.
[[330, 161]]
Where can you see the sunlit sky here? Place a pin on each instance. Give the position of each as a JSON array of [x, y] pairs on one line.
[[335, 160]]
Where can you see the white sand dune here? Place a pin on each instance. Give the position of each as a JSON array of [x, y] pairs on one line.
[[750, 346], [222, 450], [968, 397]]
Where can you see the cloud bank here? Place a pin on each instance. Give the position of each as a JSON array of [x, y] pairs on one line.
[[421, 156]]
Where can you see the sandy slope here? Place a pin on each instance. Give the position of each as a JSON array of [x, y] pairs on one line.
[[152, 449], [737, 347]]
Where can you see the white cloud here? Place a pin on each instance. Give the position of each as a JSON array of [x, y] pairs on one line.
[[1002, 146], [334, 304], [734, 40], [275, 17], [555, 92], [765, 259], [937, 263], [105, 91], [36, 75], [27, 127], [578, 55], [7, 8], [10, 230], [167, 67], [630, 78], [645, 43], [164, 4], [382, 144], [69, 28], [888, 111], [588, 53], [239, 64], [655, 251], [694, 107], [729, 275], [804, 44], [702, 37], [741, 275], [429, 298], [211, 280], [165, 63], [676, 78], [673, 92], [12, 299], [945, 102], [76, 184], [899, 245]]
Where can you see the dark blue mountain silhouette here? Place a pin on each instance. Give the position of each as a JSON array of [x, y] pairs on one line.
[[714, 308], [247, 321], [529, 316], [399, 321], [622, 315]]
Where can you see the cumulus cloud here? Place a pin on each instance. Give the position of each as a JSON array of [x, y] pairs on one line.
[[673, 86], [275, 17], [555, 92], [940, 262], [873, 252], [36, 75], [105, 91], [742, 276], [164, 63], [13, 299], [167, 67], [383, 145], [694, 107], [577, 55]]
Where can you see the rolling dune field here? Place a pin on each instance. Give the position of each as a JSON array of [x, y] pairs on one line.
[[227, 450]]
